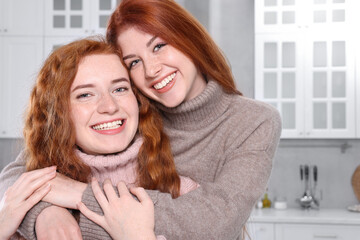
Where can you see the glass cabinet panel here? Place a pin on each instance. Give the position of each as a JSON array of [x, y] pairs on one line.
[[101, 11], [270, 55], [320, 115], [288, 85], [67, 17], [276, 14]]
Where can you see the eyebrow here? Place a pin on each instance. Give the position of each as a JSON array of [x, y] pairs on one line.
[[150, 41], [147, 45], [92, 85]]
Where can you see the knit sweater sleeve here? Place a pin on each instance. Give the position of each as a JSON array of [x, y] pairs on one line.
[[220, 208], [8, 177], [11, 173]]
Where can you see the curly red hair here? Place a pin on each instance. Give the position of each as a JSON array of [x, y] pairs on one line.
[[169, 21], [49, 132]]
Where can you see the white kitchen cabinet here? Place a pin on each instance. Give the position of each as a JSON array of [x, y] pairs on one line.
[[260, 231], [21, 52], [300, 224], [305, 66], [316, 232], [21, 17], [77, 17], [294, 15], [21, 58]]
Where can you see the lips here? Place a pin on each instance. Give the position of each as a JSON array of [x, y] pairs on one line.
[[112, 127], [166, 84]]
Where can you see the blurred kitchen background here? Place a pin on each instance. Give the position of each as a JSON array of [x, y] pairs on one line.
[[299, 56]]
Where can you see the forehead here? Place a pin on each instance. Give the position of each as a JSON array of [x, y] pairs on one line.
[[100, 66], [132, 36]]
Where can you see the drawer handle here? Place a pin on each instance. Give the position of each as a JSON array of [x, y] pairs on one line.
[[326, 236]]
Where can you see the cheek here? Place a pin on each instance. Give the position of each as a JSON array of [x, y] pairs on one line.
[[79, 115], [138, 79]]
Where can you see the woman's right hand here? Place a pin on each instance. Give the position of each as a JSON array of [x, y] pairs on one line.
[[18, 199], [124, 217]]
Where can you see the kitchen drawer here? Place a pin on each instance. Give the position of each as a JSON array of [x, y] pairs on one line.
[[260, 231], [316, 232]]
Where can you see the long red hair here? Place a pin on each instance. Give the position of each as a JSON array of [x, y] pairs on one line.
[[171, 22], [50, 135]]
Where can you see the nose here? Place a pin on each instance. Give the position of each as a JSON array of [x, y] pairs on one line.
[[108, 105], [152, 67]]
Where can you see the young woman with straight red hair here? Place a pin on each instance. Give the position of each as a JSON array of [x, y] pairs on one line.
[[84, 118], [222, 140]]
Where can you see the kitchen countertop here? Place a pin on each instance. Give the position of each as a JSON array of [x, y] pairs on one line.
[[292, 215]]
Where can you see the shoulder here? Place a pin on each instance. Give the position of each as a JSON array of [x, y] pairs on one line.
[[253, 122], [252, 112]]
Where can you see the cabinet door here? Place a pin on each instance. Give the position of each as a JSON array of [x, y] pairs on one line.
[[278, 15], [330, 95], [326, 15], [260, 231], [52, 43], [279, 78], [100, 14], [316, 232], [21, 58], [67, 17], [22, 17]]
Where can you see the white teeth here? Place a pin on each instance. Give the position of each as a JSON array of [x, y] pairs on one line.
[[109, 125], [164, 82]]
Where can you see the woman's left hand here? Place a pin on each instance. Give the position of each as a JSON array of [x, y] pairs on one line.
[[65, 192], [124, 217]]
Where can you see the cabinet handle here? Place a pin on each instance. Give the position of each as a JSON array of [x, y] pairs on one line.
[[326, 236]]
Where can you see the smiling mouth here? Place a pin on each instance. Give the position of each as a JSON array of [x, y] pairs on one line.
[[164, 82], [108, 125]]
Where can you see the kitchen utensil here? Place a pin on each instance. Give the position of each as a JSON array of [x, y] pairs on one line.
[[315, 176], [302, 178], [306, 200]]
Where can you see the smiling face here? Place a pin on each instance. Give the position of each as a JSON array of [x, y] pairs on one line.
[[159, 70], [104, 109]]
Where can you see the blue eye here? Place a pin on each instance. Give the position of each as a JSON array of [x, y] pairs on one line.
[[158, 46], [121, 89], [133, 63], [83, 95]]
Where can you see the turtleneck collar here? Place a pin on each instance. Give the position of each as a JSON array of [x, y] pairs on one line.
[[112, 160], [199, 111]]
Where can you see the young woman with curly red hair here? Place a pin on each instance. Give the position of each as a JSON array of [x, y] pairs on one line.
[[84, 118]]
